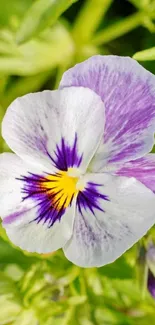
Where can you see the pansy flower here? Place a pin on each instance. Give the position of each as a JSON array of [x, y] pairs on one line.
[[81, 177]]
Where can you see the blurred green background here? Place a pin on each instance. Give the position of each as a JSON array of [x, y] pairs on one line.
[[39, 40]]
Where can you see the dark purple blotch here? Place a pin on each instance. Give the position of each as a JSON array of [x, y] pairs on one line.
[[34, 188], [66, 156], [89, 198]]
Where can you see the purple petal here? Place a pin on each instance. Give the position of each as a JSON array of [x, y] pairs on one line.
[[143, 169], [151, 284], [128, 92]]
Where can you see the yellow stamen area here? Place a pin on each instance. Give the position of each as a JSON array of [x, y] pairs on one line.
[[61, 188]]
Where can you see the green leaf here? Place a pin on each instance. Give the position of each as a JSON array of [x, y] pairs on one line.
[[142, 270], [9, 310], [119, 28], [111, 317], [7, 43], [6, 48], [128, 291], [10, 303], [2, 230], [7, 286], [120, 269], [53, 47], [140, 4], [77, 300], [42, 14], [11, 255], [14, 272], [146, 55], [22, 86], [27, 317], [89, 18], [12, 8]]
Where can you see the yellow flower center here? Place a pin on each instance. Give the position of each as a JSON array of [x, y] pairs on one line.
[[62, 188]]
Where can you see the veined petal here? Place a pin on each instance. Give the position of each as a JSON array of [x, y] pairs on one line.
[[36, 217], [112, 214], [59, 128], [143, 169], [11, 167], [128, 92], [37, 236]]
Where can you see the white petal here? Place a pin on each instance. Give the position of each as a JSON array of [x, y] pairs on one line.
[[18, 215], [116, 213], [38, 237], [11, 167], [59, 128]]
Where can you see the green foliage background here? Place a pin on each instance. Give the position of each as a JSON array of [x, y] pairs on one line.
[[39, 40]]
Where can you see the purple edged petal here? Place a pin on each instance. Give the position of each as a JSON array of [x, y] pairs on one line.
[[29, 210], [143, 169], [112, 213], [128, 93], [59, 129]]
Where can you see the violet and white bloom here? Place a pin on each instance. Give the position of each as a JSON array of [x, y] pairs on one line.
[[81, 178]]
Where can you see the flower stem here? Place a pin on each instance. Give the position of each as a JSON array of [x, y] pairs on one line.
[[119, 28], [89, 18]]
